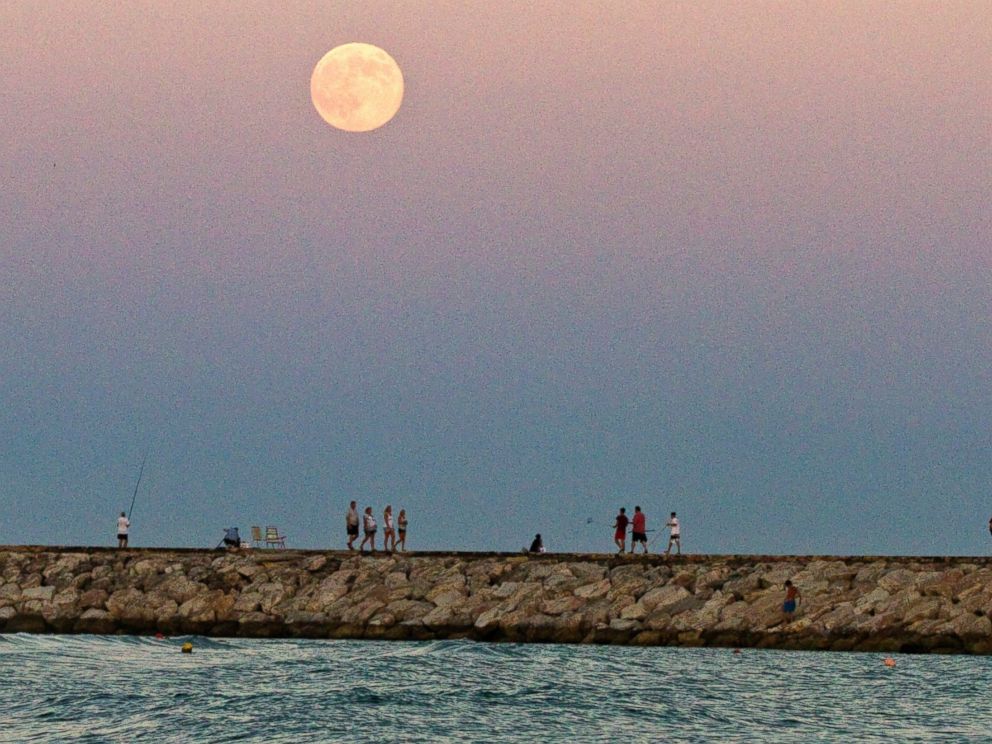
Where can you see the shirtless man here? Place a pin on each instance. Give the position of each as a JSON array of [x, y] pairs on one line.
[[351, 524]]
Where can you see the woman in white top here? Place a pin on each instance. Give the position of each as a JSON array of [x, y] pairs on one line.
[[369, 529], [388, 534]]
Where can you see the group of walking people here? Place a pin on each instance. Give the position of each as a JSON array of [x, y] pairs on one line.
[[639, 532], [393, 535]]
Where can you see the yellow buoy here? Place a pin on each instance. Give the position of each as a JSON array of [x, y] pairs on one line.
[[187, 648]]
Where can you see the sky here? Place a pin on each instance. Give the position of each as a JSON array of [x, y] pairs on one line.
[[729, 259]]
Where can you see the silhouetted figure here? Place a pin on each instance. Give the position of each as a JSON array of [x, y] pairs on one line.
[[538, 545]]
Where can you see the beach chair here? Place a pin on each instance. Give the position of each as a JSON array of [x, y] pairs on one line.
[[273, 538], [256, 537]]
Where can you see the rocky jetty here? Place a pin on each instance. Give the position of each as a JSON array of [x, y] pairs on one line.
[[884, 604]]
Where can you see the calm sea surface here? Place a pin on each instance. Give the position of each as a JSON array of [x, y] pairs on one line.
[[93, 688]]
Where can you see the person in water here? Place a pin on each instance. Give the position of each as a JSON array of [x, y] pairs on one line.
[[640, 531], [388, 532], [791, 599], [620, 530], [401, 523], [351, 524], [537, 546], [369, 530], [675, 535], [123, 524]]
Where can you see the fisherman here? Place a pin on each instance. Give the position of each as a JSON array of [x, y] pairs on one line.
[[123, 524], [620, 530], [674, 537], [640, 532], [369, 530], [351, 524]]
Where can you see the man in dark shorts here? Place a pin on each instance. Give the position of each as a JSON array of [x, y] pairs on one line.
[[351, 523], [620, 530], [640, 531]]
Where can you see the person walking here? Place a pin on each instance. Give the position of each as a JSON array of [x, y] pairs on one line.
[[791, 598], [388, 532], [369, 530], [620, 530], [675, 535], [639, 533], [351, 524], [123, 525], [401, 522]]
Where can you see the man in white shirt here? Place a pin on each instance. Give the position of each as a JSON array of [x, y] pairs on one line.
[[674, 536], [351, 524], [123, 523]]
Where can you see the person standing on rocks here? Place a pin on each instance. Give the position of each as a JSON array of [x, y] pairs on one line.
[[123, 524], [369, 530], [620, 530], [675, 535], [537, 546], [388, 533], [351, 524], [401, 523], [640, 531], [791, 598]]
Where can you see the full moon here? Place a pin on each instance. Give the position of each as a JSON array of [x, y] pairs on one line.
[[356, 87]]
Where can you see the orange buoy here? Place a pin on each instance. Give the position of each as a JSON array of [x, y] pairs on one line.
[[889, 661]]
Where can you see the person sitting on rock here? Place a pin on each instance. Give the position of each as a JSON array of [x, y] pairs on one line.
[[791, 599], [369, 530], [537, 546]]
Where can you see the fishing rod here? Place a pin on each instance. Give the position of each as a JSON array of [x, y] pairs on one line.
[[140, 471]]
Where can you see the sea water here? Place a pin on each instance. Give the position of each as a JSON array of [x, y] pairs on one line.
[[117, 689]]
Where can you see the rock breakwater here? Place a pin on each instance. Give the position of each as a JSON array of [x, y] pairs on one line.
[[884, 604]]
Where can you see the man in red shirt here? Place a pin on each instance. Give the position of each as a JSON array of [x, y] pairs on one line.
[[620, 535], [640, 532]]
